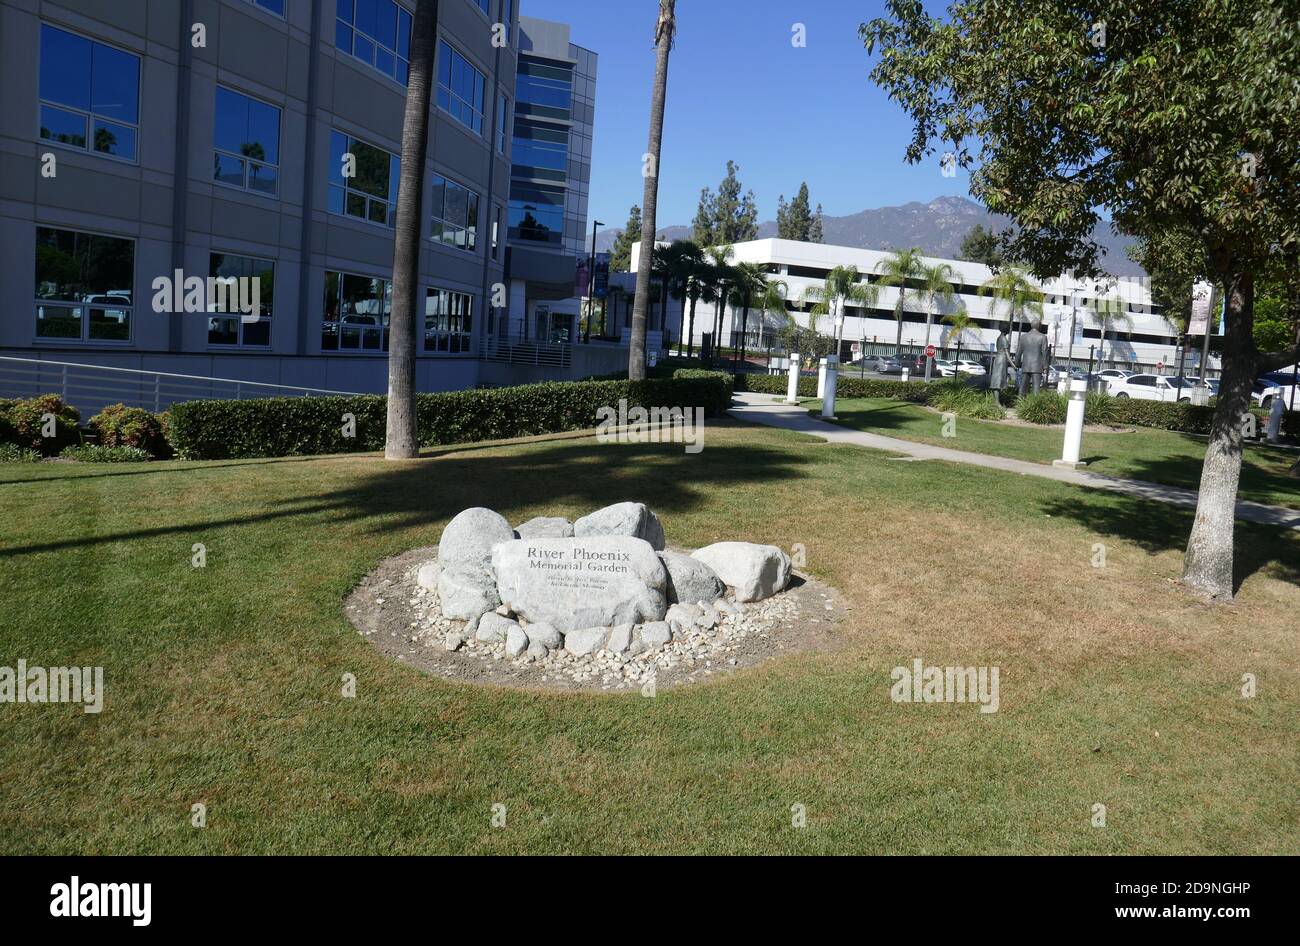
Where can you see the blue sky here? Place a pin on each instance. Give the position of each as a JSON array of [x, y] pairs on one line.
[[738, 89]]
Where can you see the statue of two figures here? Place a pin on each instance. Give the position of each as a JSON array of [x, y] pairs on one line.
[[1030, 361]]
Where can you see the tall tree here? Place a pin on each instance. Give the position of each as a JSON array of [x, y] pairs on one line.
[[702, 227], [401, 437], [665, 28], [816, 234], [981, 246], [721, 278], [899, 269], [1016, 291], [794, 220], [620, 255], [1061, 119], [734, 215], [843, 285], [936, 286]]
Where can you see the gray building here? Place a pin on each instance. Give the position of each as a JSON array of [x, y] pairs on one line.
[[146, 140], [555, 107]]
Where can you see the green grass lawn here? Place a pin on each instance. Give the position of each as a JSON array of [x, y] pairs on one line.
[[223, 683], [1158, 456]]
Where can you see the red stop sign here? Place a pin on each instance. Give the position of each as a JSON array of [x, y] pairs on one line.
[[929, 351]]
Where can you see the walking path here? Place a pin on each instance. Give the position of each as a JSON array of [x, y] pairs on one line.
[[774, 412]]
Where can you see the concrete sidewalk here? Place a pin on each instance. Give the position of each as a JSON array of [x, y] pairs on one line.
[[772, 410]]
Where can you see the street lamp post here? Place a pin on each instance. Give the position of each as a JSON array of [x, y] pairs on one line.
[[1074, 314], [591, 276]]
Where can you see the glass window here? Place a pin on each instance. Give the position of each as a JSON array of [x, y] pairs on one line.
[[540, 150], [84, 285], [378, 32], [90, 94], [240, 281], [355, 317], [483, 5], [455, 214], [370, 191], [247, 143], [544, 89], [448, 316], [536, 212], [460, 88], [274, 6]]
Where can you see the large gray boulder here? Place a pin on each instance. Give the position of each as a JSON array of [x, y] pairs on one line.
[[632, 519], [466, 587], [690, 579], [579, 583], [754, 571], [545, 527]]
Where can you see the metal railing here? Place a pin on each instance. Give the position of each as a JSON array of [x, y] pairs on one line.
[[92, 386], [551, 354]]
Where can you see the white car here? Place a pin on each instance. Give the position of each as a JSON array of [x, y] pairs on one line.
[[1113, 374], [971, 367], [1152, 387], [1269, 387], [948, 369]]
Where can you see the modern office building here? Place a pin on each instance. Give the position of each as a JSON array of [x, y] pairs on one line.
[[555, 103], [1134, 327], [141, 140]]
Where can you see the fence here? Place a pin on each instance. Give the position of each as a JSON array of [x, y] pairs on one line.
[[90, 387]]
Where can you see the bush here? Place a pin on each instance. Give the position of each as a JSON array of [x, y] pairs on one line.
[[12, 453], [271, 427], [846, 386], [122, 426], [957, 397], [23, 423], [1045, 407], [97, 453]]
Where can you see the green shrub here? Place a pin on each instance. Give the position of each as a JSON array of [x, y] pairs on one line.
[[12, 453], [120, 426], [846, 386], [97, 453], [957, 397], [1099, 408], [1045, 407], [214, 430], [24, 423]]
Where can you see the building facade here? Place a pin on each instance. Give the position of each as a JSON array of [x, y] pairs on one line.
[[1135, 330], [196, 140]]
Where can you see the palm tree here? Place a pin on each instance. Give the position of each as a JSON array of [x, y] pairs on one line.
[[770, 297], [721, 276], [841, 287], [665, 27], [401, 440], [750, 283], [675, 265], [697, 285], [1013, 288], [959, 323], [1107, 312], [936, 285], [898, 269]]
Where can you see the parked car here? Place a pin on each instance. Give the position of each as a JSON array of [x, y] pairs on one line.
[[1152, 387], [915, 364], [1114, 374], [1069, 372], [1270, 386], [948, 369], [884, 364], [971, 367]]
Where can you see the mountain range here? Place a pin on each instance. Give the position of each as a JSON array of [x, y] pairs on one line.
[[937, 228]]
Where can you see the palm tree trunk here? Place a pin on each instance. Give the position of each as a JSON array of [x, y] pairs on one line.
[[744, 332], [898, 344], [1208, 562], [929, 318], [401, 439], [664, 30], [690, 335]]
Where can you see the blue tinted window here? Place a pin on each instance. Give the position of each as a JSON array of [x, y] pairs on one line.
[[246, 135], [90, 94], [378, 32], [460, 88]]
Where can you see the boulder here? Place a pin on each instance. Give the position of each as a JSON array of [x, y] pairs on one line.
[[492, 628], [754, 571], [656, 634], [586, 641], [466, 587], [545, 635], [426, 576], [578, 583], [690, 579], [682, 616], [545, 527], [516, 641], [632, 519], [620, 638], [538, 651]]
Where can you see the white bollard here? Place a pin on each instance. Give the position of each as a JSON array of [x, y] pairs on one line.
[[792, 392], [829, 370], [906, 374], [1276, 409], [821, 379], [1074, 426]]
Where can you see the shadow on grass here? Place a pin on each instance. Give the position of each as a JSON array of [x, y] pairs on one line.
[[430, 490], [1156, 527]]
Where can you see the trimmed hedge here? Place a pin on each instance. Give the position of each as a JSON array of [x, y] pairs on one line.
[[914, 391], [274, 427], [21, 424]]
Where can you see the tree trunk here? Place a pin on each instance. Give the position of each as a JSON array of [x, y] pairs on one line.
[[898, 344], [690, 335], [401, 437], [650, 201], [1207, 565], [744, 332], [929, 318]]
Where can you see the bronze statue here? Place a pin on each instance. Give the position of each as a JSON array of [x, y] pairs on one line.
[[1031, 357], [998, 371]]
